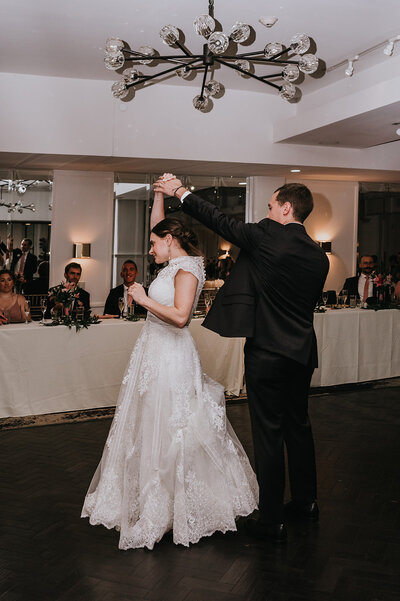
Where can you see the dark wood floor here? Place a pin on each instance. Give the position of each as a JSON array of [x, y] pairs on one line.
[[353, 554]]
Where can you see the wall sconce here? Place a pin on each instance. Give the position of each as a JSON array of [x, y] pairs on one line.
[[225, 253], [326, 246], [81, 250]]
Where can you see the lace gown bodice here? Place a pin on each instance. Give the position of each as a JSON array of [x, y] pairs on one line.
[[162, 289], [171, 459]]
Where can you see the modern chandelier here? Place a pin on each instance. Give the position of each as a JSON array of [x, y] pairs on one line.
[[289, 62]]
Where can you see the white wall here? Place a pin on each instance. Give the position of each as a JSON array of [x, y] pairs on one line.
[[50, 115], [334, 218], [83, 212]]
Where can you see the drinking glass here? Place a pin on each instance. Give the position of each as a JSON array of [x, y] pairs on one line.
[[341, 301], [79, 313], [43, 307], [207, 301], [27, 310], [345, 293], [131, 310], [55, 314], [121, 306], [324, 298], [353, 301]]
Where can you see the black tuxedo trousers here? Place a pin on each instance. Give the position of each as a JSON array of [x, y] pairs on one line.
[[277, 393]]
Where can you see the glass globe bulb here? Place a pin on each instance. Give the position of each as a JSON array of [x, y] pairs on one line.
[[148, 51], [240, 32], [200, 103], [291, 72], [131, 75], [119, 89], [204, 25], [169, 34], [218, 42], [212, 88], [184, 72], [308, 63], [272, 49], [114, 45], [244, 65], [300, 43], [114, 61], [288, 91]]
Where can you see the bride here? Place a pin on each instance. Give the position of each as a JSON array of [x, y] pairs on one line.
[[171, 459]]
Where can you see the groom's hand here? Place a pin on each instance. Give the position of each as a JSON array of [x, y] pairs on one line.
[[169, 187]]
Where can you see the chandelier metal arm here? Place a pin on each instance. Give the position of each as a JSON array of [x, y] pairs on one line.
[[222, 62], [184, 50], [149, 77], [204, 83]]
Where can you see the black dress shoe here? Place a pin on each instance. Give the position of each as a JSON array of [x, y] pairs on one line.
[[275, 533], [302, 511]]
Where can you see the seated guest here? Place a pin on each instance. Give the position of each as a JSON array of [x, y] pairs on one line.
[[39, 285], [23, 263], [128, 274], [397, 291], [362, 285], [12, 305], [72, 275]]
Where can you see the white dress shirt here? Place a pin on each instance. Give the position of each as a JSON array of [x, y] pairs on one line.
[[361, 284], [18, 263]]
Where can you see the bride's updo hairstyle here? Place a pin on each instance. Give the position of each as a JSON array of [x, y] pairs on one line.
[[178, 230]]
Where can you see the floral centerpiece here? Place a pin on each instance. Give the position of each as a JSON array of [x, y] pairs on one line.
[[382, 293], [65, 294]]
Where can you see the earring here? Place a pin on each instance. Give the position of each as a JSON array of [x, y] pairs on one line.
[[169, 254]]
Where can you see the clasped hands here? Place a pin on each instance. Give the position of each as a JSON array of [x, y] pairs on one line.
[[168, 184]]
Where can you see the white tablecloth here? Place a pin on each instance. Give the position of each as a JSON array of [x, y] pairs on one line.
[[53, 369], [356, 345]]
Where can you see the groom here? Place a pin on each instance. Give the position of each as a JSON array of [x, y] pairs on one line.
[[269, 298]]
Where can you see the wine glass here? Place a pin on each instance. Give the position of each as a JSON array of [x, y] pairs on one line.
[[27, 310], [207, 301], [324, 298], [43, 307], [121, 306]]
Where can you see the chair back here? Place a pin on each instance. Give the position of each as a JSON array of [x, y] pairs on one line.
[[35, 303]]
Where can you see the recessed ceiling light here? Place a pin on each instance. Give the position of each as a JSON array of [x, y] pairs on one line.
[[295, 170], [242, 183]]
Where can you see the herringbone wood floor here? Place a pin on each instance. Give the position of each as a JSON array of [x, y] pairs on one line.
[[49, 553]]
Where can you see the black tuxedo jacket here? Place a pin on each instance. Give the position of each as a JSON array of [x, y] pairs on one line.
[[30, 266], [273, 288], [111, 306], [351, 285]]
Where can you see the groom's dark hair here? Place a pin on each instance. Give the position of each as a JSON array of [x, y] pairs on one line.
[[299, 196]]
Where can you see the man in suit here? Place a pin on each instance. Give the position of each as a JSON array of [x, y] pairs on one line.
[[23, 263], [269, 298], [72, 275], [362, 285], [128, 274]]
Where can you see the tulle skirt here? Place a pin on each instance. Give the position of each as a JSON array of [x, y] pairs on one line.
[[171, 459]]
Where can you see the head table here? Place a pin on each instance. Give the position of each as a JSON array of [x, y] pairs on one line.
[[54, 369]]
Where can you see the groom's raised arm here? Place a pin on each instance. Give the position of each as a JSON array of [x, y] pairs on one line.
[[244, 235]]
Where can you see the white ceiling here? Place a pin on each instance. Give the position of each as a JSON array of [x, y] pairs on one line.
[[66, 39]]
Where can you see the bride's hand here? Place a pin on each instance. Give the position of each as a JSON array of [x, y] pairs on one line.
[[138, 293], [167, 184]]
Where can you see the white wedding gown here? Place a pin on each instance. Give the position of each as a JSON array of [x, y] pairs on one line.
[[172, 459]]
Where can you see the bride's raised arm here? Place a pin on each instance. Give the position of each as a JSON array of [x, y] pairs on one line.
[[157, 210]]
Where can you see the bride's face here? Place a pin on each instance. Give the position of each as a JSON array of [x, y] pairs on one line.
[[160, 247]]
